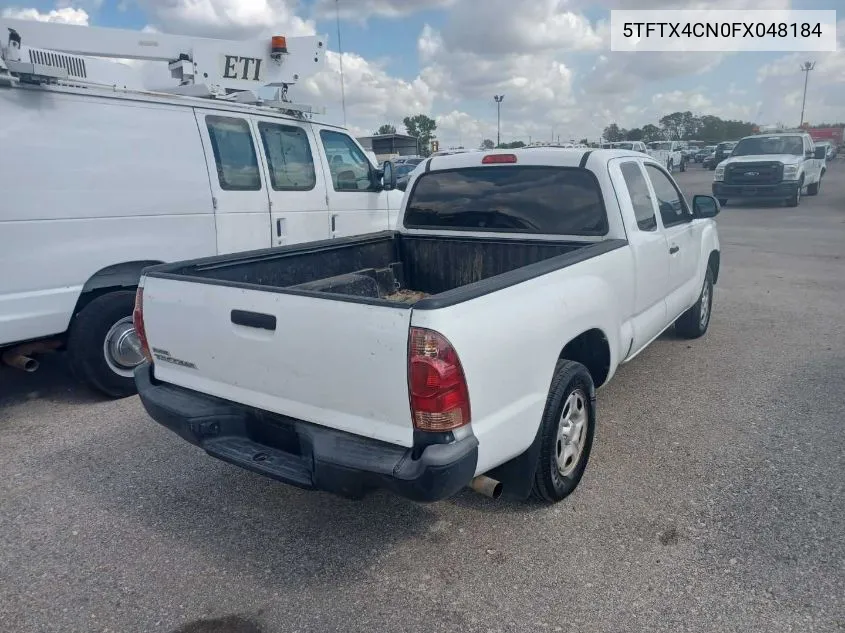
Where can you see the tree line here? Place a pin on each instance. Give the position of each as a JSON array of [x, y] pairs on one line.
[[682, 126]]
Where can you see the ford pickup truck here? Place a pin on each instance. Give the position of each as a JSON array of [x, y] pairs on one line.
[[775, 166], [462, 349]]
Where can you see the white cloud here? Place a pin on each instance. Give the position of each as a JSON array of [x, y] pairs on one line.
[[230, 19], [372, 96], [64, 15], [360, 10], [504, 27]]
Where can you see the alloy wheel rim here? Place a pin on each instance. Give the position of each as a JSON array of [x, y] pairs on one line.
[[572, 433]]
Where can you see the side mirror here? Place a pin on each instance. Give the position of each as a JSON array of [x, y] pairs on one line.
[[388, 176], [705, 207], [809, 154], [821, 153]]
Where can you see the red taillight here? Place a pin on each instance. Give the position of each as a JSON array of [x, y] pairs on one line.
[[138, 322], [439, 395], [498, 159]]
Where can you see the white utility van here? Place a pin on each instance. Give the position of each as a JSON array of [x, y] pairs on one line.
[[98, 182]]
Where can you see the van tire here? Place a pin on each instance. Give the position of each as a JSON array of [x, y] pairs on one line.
[[573, 385], [86, 343], [694, 322]]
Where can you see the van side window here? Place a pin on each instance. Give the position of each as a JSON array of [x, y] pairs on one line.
[[289, 157], [234, 153], [348, 166], [640, 198]]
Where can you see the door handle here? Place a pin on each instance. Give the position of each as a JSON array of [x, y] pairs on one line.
[[254, 319], [674, 250]]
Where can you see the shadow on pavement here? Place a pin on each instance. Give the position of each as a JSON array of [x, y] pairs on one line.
[[52, 381]]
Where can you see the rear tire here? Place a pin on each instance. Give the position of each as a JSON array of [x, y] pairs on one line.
[[723, 201], [101, 328], [567, 430], [694, 322]]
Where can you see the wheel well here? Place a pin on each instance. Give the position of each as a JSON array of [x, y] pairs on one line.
[[117, 277], [713, 264], [592, 350]]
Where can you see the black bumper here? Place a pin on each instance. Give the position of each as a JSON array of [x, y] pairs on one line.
[[307, 455], [783, 190]]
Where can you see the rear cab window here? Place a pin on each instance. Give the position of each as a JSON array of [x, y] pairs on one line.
[[528, 199]]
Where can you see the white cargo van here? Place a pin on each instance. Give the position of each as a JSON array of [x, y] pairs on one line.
[[98, 182]]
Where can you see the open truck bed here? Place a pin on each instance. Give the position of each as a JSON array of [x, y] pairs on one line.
[[389, 268]]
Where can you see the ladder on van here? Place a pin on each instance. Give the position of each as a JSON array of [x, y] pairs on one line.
[[235, 71]]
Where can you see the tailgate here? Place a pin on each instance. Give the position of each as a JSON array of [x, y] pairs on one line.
[[335, 363]]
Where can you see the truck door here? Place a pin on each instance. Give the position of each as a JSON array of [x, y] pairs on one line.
[[651, 253], [295, 182], [357, 203], [241, 206], [812, 165], [684, 253]]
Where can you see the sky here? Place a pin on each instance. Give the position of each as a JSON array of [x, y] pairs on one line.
[[447, 58]]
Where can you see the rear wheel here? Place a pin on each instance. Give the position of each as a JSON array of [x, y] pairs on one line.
[[567, 431], [723, 201], [103, 347]]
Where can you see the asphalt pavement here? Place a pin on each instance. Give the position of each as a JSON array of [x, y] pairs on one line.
[[713, 500]]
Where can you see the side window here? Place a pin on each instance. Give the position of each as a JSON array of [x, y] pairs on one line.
[[638, 190], [289, 157], [673, 207], [349, 168], [234, 153]]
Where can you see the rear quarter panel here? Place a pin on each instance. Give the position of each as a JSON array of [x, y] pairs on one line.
[[509, 342]]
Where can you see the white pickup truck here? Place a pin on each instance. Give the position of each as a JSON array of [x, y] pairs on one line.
[[670, 154], [462, 349]]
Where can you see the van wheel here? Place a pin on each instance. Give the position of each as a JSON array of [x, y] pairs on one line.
[[102, 345], [567, 430], [694, 322], [813, 190]]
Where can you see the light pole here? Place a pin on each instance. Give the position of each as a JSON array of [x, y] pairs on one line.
[[498, 100], [806, 67]]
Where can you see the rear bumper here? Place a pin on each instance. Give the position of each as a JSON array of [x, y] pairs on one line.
[[303, 454], [784, 189]]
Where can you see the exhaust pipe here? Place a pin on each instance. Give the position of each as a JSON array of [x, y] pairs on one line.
[[486, 486], [19, 357], [19, 361]]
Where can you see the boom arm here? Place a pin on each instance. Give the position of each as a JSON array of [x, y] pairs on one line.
[[223, 65]]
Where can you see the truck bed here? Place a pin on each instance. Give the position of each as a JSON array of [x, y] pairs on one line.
[[389, 268]]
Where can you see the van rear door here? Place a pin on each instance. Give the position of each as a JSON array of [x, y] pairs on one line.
[[241, 204]]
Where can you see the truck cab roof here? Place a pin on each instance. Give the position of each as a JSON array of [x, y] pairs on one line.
[[535, 156]]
